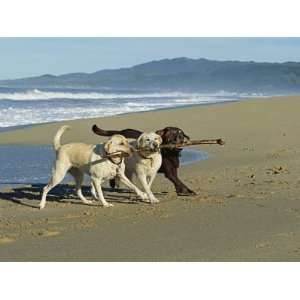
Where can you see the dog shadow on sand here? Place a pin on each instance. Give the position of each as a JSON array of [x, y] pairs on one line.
[[30, 195]]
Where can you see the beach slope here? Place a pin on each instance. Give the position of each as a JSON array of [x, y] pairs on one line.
[[247, 207]]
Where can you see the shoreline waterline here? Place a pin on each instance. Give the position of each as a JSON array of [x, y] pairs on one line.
[[34, 107], [22, 165], [17, 127]]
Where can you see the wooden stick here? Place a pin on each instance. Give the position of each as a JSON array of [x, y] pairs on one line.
[[195, 142], [116, 154], [186, 144]]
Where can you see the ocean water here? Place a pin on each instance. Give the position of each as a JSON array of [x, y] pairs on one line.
[[33, 164], [20, 106]]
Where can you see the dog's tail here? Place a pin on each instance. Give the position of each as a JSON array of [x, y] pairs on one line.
[[128, 133], [58, 135]]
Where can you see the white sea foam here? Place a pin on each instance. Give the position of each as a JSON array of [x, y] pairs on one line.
[[22, 111], [36, 94], [23, 116]]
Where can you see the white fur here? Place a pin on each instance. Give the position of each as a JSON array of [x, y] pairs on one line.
[[79, 159], [145, 163]]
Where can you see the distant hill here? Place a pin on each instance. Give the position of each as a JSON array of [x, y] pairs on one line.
[[180, 74]]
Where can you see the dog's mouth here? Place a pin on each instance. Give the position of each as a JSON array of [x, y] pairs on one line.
[[176, 144], [178, 140], [122, 152], [154, 148], [150, 149], [126, 153]]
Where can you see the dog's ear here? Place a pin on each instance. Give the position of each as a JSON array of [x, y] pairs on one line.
[[107, 146], [165, 134], [162, 133], [160, 139], [139, 141], [186, 136]]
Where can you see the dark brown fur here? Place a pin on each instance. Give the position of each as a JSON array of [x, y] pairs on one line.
[[170, 157]]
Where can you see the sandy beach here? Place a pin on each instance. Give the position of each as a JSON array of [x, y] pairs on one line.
[[247, 207]]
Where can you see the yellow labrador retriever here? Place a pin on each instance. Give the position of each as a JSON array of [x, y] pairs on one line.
[[145, 162], [79, 159]]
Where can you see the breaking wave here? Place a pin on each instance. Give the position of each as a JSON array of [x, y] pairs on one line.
[[22, 107], [36, 94]]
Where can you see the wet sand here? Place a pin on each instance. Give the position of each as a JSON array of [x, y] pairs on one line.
[[247, 208]]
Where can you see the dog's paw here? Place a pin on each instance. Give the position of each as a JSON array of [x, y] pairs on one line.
[[88, 202], [147, 200], [192, 193], [42, 206], [144, 197], [108, 205], [186, 193], [154, 201], [95, 197]]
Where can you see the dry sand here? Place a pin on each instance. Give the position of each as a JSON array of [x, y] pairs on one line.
[[248, 207]]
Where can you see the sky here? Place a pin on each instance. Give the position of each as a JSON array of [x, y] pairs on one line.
[[24, 57]]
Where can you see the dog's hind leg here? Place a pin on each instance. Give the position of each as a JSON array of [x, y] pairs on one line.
[[181, 188], [129, 175], [59, 172], [97, 186], [79, 176], [112, 183]]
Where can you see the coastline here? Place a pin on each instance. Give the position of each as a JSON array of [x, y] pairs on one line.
[[5, 131], [247, 207], [12, 128]]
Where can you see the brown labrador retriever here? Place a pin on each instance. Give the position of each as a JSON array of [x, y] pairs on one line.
[[170, 157]]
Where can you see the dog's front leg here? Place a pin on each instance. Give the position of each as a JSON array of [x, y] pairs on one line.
[[151, 180], [93, 192], [143, 180], [130, 185], [97, 186]]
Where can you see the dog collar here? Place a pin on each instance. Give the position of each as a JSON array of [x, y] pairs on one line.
[[140, 154], [145, 157]]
